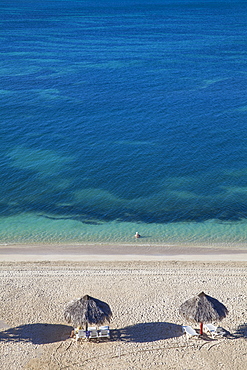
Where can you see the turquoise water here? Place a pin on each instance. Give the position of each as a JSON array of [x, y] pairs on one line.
[[123, 117]]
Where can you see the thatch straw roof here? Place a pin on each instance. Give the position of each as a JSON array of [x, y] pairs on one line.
[[203, 308], [87, 310]]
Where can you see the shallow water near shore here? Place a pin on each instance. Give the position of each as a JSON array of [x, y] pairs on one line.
[[117, 119], [31, 229]]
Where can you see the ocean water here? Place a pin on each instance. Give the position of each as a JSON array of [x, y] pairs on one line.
[[123, 116]]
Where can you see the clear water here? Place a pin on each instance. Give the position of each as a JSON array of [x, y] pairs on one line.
[[122, 117]]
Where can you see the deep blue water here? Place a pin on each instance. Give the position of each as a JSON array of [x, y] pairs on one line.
[[130, 112]]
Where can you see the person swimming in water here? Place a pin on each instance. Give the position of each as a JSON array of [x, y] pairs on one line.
[[137, 235]]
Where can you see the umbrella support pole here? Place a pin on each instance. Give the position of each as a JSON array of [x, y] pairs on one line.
[[201, 328]]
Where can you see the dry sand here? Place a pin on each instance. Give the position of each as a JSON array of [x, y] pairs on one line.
[[144, 297]]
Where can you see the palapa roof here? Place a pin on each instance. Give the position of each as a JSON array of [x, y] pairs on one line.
[[203, 308], [87, 310]]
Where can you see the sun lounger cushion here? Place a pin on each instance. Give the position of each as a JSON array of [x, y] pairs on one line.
[[93, 332], [213, 330], [104, 332], [82, 334], [189, 331]]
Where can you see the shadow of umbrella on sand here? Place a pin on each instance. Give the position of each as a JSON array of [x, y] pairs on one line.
[[87, 310], [203, 309], [38, 333], [147, 332]]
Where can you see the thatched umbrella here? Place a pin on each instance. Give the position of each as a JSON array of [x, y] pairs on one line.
[[203, 309], [87, 310]]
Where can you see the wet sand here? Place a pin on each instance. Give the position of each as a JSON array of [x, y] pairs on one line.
[[105, 252]]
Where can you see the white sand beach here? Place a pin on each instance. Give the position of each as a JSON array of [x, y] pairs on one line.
[[144, 292]]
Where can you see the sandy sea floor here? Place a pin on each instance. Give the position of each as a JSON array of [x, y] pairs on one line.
[[144, 297]]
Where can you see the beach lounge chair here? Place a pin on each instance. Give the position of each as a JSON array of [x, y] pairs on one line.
[[81, 334], [104, 332], [190, 332], [93, 332], [213, 330]]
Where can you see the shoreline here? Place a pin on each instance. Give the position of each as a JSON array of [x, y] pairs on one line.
[[133, 252]]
